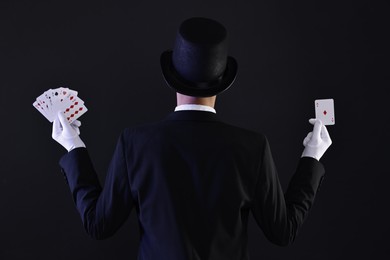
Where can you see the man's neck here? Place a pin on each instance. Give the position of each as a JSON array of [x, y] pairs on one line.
[[204, 101]]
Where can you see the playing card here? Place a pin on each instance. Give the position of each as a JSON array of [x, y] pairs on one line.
[[324, 109], [40, 108], [44, 105], [75, 110]]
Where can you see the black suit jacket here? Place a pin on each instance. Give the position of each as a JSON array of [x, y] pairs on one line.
[[193, 181]]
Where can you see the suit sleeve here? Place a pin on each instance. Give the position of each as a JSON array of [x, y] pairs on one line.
[[102, 210], [279, 215]]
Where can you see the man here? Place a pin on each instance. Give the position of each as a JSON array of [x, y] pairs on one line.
[[193, 179]]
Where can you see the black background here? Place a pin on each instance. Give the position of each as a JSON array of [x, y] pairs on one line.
[[289, 53]]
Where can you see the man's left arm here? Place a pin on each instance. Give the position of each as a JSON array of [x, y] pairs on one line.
[[102, 210]]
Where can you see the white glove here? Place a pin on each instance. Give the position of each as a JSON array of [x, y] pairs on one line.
[[316, 142], [67, 134]]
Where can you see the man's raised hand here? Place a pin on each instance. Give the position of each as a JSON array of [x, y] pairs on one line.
[[67, 134], [316, 142]]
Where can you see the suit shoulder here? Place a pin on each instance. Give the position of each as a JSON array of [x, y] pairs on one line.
[[142, 129], [251, 134]]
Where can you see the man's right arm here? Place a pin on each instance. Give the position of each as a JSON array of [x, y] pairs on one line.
[[280, 215]]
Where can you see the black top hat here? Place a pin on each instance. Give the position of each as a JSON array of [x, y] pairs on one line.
[[199, 65]]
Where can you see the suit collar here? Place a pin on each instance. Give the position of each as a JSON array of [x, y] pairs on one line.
[[193, 115]]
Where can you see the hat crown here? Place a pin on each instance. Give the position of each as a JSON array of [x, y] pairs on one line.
[[200, 50], [202, 31]]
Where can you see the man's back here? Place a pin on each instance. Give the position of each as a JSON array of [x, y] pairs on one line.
[[203, 175]]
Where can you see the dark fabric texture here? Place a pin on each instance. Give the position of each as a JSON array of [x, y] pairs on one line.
[[193, 181]]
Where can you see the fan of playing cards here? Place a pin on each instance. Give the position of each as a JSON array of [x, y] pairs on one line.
[[60, 99]]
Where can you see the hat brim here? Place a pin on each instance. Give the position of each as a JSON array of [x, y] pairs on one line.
[[208, 89]]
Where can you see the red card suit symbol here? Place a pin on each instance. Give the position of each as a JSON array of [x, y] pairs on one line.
[[325, 112]]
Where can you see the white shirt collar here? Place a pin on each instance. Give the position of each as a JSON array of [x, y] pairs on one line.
[[195, 107]]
